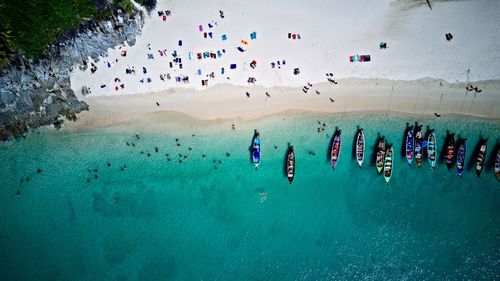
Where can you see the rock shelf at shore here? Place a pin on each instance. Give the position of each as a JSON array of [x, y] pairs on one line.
[[35, 93]]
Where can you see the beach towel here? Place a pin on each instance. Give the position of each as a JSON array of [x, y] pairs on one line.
[[240, 49], [253, 35], [232, 66], [224, 37], [244, 42], [200, 27], [180, 42]]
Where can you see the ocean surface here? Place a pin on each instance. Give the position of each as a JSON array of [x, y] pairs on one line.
[[146, 218]]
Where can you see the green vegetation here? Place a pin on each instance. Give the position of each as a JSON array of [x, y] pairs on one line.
[[30, 25]]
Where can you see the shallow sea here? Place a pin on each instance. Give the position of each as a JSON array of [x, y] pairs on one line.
[[204, 219]]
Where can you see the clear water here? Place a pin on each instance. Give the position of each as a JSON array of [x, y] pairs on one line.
[[160, 220]]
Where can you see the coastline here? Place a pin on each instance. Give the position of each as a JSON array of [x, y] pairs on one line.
[[229, 104]]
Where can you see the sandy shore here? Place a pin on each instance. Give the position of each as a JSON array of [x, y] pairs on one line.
[[227, 103]]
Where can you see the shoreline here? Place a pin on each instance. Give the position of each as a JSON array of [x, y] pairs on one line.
[[227, 103]]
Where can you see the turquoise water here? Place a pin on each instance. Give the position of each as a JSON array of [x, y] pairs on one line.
[[160, 220]]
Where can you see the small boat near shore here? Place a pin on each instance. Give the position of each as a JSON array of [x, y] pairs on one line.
[[379, 163], [450, 151], [481, 155], [431, 149], [418, 146], [388, 164], [336, 143], [461, 157], [290, 164], [410, 140], [360, 147], [497, 165], [256, 149]]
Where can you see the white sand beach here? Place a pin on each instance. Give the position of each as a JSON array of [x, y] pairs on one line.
[[420, 72]]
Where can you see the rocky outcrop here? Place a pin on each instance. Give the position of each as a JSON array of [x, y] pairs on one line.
[[34, 93]]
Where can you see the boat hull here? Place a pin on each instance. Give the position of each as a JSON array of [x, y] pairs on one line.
[[461, 158], [410, 142], [480, 159], [450, 152], [379, 163], [290, 162], [418, 148], [431, 149], [497, 165], [336, 145], [360, 148], [388, 164]]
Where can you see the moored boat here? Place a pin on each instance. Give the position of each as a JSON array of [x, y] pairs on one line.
[[418, 146], [388, 164], [481, 155], [410, 140], [290, 164], [336, 142], [256, 149], [431, 149], [360, 147], [497, 165], [461, 157], [379, 163], [450, 151]]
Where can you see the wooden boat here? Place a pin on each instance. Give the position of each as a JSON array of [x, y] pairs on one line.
[[450, 151], [431, 149], [388, 164], [256, 149], [461, 157], [418, 146], [497, 165], [360, 147], [410, 140], [379, 163], [336, 142], [481, 155], [290, 164]]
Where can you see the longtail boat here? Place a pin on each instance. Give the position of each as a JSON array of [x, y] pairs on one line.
[[388, 164], [450, 151], [410, 140], [256, 149], [360, 147], [431, 149], [379, 163], [481, 155], [497, 165], [336, 144], [290, 164], [418, 146], [461, 157]]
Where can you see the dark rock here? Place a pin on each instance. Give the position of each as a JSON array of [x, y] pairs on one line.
[[37, 92]]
